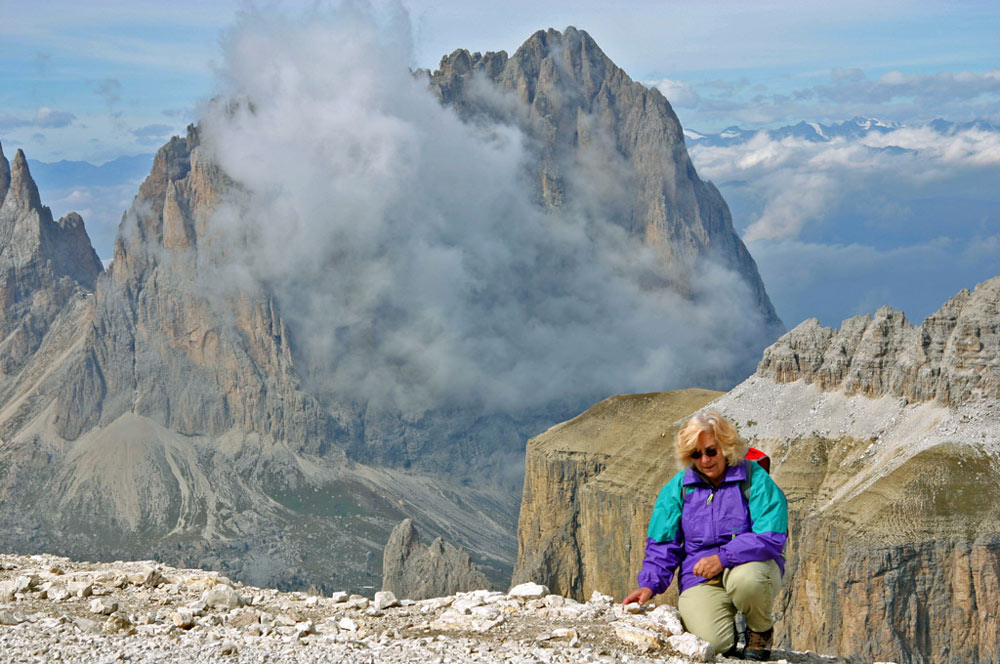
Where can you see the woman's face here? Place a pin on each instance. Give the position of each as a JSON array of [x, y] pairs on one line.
[[712, 467]]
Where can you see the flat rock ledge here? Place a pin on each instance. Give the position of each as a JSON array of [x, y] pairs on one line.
[[56, 610]]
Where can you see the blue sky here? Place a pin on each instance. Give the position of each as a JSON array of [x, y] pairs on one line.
[[95, 81]]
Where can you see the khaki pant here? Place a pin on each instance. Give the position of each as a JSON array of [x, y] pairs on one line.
[[709, 609]]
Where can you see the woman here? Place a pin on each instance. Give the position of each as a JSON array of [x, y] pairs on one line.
[[724, 521]]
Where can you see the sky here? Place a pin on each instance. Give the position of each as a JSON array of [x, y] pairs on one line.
[[837, 229]]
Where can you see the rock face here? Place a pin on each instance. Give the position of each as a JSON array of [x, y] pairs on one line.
[[953, 357], [146, 611], [413, 570], [894, 549], [43, 265], [593, 127]]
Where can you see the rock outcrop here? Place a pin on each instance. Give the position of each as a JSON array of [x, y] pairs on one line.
[[55, 609], [44, 264], [414, 570], [889, 455], [952, 357], [605, 145]]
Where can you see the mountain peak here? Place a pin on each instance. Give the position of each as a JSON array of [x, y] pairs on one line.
[[4, 175], [21, 185]]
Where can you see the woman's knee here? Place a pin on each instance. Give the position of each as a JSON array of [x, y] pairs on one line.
[[753, 583]]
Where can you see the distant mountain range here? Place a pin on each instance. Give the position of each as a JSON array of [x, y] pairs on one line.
[[815, 132], [63, 174]]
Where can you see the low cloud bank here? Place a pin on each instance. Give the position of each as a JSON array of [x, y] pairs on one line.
[[405, 249], [838, 228]]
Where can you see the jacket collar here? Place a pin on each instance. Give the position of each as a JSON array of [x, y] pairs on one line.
[[736, 473]]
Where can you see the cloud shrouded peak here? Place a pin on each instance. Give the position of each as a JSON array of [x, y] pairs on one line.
[[406, 250]]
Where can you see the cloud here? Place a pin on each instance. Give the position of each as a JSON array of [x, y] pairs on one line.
[[678, 93], [894, 85], [43, 118], [8, 121], [52, 119], [406, 252], [153, 134], [803, 184], [905, 218]]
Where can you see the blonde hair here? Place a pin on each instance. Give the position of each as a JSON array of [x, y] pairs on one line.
[[725, 434]]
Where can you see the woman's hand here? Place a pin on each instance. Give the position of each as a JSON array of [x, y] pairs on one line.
[[642, 595], [709, 567]]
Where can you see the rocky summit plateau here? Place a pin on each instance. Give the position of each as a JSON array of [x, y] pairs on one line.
[[56, 610]]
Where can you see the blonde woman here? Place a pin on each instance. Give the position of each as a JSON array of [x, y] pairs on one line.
[[724, 522]]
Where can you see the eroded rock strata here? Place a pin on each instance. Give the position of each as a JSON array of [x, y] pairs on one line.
[[884, 436]]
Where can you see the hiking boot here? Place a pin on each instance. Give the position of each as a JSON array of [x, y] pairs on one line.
[[758, 646]]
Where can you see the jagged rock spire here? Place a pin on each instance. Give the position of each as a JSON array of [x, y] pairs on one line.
[[22, 186], [4, 175]]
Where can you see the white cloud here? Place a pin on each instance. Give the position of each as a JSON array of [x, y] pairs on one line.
[[678, 93], [50, 118], [839, 228], [802, 184]]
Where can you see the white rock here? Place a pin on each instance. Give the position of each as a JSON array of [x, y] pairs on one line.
[[645, 639], [339, 596], [600, 599], [694, 647], [466, 604], [528, 591], [182, 618], [7, 618], [80, 589], [347, 624], [103, 606], [25, 583], [385, 599], [58, 593], [668, 619], [222, 596], [312, 601]]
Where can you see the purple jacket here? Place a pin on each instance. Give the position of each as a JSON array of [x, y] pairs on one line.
[[713, 521]]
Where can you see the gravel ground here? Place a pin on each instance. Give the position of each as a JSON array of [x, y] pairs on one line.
[[56, 610]]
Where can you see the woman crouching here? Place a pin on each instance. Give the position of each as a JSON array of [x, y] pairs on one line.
[[724, 521]]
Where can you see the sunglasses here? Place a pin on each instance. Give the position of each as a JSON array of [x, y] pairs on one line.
[[710, 452]]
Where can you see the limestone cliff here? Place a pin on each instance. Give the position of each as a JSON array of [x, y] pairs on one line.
[[415, 570], [884, 438], [605, 145]]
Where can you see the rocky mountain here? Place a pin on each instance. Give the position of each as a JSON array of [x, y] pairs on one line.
[[166, 408], [420, 571], [593, 127], [883, 435], [44, 264], [62, 610]]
